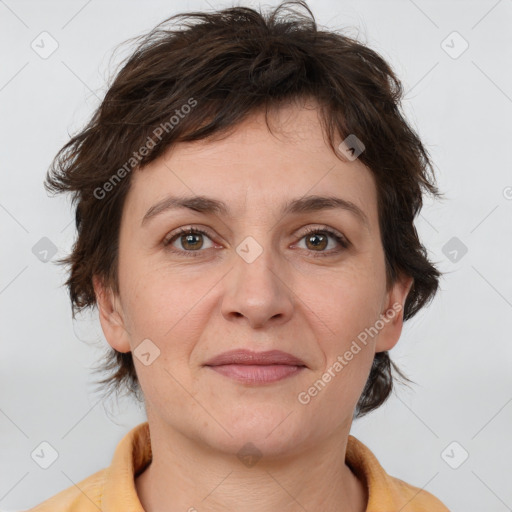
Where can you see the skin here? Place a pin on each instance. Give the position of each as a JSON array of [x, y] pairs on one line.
[[193, 308]]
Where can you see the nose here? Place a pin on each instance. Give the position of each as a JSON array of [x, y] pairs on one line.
[[258, 292]]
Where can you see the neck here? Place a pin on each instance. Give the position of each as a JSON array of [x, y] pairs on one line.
[[185, 475]]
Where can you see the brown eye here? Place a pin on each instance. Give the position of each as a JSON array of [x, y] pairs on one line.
[[191, 241], [187, 241], [316, 241]]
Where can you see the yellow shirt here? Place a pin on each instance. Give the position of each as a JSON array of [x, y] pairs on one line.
[[112, 489]]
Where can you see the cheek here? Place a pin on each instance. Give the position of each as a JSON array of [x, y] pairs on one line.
[[341, 317], [344, 302], [165, 305], [342, 310]]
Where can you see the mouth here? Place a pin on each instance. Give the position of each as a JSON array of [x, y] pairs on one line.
[[256, 367]]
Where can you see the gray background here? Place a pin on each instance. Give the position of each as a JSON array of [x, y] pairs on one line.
[[458, 351]]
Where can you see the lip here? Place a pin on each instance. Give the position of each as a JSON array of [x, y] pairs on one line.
[[258, 373], [251, 367], [249, 357]]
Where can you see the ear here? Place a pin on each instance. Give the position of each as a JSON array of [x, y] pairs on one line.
[[392, 313], [111, 316]]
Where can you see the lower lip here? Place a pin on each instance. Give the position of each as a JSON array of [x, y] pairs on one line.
[[257, 374]]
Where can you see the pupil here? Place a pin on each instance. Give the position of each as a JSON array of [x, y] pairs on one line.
[[190, 240], [318, 242]]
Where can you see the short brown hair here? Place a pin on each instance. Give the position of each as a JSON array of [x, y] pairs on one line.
[[234, 63]]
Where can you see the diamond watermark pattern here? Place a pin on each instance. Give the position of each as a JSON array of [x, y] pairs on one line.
[[146, 352], [249, 249], [44, 455], [44, 45], [351, 147], [454, 45], [44, 250], [249, 455], [454, 249], [454, 455]]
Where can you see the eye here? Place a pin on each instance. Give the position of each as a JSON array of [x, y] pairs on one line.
[[317, 240], [191, 240]]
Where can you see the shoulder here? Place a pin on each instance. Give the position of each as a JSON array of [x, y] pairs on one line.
[[110, 488], [84, 496], [387, 493], [414, 499]]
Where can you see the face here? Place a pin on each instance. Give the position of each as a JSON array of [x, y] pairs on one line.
[[306, 280]]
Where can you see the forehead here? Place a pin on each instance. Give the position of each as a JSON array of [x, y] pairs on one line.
[[252, 169]]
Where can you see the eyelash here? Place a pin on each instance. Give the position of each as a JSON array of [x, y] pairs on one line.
[[344, 243]]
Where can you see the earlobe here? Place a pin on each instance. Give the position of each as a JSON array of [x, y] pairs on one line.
[[393, 314], [111, 316]]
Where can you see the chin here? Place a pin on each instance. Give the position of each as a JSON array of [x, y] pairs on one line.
[[270, 429]]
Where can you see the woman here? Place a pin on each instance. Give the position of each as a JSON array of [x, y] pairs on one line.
[[245, 203]]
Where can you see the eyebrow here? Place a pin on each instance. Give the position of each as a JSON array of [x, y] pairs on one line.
[[208, 205]]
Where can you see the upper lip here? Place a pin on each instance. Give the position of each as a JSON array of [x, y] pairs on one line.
[[242, 356]]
